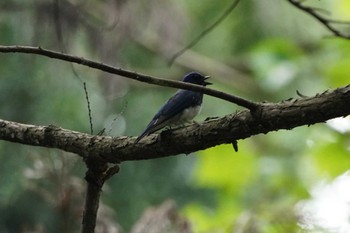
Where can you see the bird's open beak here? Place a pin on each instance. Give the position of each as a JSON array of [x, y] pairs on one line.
[[207, 83]]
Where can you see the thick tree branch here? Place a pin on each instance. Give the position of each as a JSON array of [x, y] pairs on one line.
[[129, 74], [268, 117], [92, 201], [98, 172]]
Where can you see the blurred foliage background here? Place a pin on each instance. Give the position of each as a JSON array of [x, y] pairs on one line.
[[286, 181]]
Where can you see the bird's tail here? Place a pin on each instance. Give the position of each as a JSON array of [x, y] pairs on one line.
[[144, 134]]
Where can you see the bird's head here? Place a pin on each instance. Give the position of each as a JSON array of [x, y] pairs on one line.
[[196, 78]]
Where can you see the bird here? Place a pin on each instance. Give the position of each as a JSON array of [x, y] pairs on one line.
[[181, 108]]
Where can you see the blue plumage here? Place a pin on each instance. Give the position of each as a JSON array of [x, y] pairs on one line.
[[180, 108]]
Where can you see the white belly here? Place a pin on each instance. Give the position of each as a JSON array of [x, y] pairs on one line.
[[186, 116]]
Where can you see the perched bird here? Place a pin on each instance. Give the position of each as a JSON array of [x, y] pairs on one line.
[[180, 108]]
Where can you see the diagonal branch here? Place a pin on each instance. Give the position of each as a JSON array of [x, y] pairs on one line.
[[268, 117], [129, 74], [326, 22], [206, 31]]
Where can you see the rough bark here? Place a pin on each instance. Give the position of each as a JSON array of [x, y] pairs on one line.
[[215, 131]]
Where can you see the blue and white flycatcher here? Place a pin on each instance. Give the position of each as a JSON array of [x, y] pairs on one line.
[[180, 108]]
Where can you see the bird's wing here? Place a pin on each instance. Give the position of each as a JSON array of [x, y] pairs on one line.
[[180, 101], [176, 104]]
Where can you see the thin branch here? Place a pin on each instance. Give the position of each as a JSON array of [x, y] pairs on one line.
[[206, 31], [324, 21], [129, 74], [89, 108], [58, 28], [269, 117]]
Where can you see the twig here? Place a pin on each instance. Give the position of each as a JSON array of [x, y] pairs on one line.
[[58, 29], [334, 21], [89, 109], [326, 22], [122, 111], [206, 31], [129, 74]]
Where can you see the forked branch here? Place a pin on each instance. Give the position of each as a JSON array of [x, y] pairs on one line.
[[328, 23]]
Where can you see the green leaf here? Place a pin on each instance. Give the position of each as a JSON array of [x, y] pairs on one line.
[[221, 167], [332, 156]]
